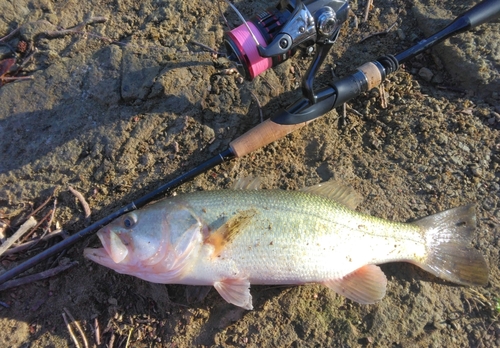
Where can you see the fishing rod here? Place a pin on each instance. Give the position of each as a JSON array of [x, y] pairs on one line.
[[295, 24]]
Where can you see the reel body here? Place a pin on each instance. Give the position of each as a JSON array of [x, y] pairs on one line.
[[274, 35]]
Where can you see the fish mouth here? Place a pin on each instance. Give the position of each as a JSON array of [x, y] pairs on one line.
[[98, 255], [113, 248]]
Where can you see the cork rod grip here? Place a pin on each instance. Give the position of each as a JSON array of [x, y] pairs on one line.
[[372, 73], [261, 135]]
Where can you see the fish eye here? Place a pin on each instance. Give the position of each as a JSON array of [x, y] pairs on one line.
[[129, 221]]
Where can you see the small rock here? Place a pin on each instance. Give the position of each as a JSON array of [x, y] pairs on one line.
[[442, 139], [426, 74], [401, 34], [476, 171], [439, 324], [456, 160], [438, 79]]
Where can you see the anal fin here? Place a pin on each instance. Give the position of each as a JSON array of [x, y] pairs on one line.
[[235, 291], [366, 285]]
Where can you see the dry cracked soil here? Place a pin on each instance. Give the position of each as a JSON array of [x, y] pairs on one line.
[[115, 108]]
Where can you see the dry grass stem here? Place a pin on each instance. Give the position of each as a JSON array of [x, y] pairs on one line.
[[40, 207], [222, 15], [15, 78], [36, 277], [356, 20], [205, 47], [3, 228], [70, 330], [97, 332], [128, 337], [79, 328], [354, 111], [49, 223], [368, 7], [383, 96], [18, 234], [111, 340], [383, 32], [259, 105], [83, 202]]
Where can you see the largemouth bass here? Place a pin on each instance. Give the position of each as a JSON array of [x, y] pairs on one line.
[[230, 239]]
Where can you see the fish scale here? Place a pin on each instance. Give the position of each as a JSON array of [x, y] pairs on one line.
[[309, 238]]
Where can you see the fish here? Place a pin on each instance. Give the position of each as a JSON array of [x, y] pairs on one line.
[[232, 238]]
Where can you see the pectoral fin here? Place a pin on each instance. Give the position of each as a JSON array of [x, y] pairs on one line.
[[366, 285], [235, 291]]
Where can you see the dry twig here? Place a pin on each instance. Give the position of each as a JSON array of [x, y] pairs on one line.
[[33, 243], [9, 35], [18, 234], [83, 202], [74, 30], [25, 237], [36, 277]]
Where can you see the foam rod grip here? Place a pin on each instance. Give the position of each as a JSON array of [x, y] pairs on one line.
[[260, 136]]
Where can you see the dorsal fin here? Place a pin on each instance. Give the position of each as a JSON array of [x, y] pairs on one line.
[[247, 183], [337, 192]]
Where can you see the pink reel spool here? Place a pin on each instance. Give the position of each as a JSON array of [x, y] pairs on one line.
[[253, 63]]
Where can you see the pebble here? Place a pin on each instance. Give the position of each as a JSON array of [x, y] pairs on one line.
[[476, 171], [456, 160], [426, 74], [463, 147], [401, 34]]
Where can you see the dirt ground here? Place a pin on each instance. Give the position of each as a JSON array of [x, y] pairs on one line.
[[124, 105]]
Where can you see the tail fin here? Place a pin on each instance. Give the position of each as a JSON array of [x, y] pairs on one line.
[[451, 257]]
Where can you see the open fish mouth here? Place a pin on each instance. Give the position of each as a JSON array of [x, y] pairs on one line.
[[113, 248], [96, 254]]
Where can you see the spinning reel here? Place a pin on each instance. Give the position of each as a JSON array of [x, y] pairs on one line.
[[275, 34]]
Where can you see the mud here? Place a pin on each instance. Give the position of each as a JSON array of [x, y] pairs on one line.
[[120, 107]]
